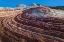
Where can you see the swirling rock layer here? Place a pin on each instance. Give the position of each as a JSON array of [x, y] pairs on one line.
[[34, 25]]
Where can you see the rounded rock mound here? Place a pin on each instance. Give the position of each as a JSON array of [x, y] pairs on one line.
[[35, 24]]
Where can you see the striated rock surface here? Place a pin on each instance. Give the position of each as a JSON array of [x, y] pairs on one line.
[[40, 24], [6, 14]]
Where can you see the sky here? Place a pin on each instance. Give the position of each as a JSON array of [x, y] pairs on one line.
[[13, 3]]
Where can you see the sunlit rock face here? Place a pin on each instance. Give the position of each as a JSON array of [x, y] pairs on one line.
[[44, 12], [57, 13], [38, 12]]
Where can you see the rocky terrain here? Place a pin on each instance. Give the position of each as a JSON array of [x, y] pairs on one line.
[[6, 14], [36, 24]]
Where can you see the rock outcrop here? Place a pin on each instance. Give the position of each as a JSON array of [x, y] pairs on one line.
[[3, 15], [40, 24]]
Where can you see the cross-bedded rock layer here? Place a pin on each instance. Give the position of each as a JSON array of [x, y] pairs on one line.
[[35, 25]]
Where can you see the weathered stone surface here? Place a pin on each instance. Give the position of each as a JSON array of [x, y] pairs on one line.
[[30, 27]]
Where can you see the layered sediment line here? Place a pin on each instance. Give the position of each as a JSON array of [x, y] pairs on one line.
[[34, 24]]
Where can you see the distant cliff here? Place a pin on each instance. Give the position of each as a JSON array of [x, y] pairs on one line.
[[58, 7]]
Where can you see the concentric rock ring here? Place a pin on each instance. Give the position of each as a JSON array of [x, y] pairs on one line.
[[35, 26]]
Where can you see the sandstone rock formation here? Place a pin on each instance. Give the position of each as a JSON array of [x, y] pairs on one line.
[[40, 24], [5, 14]]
